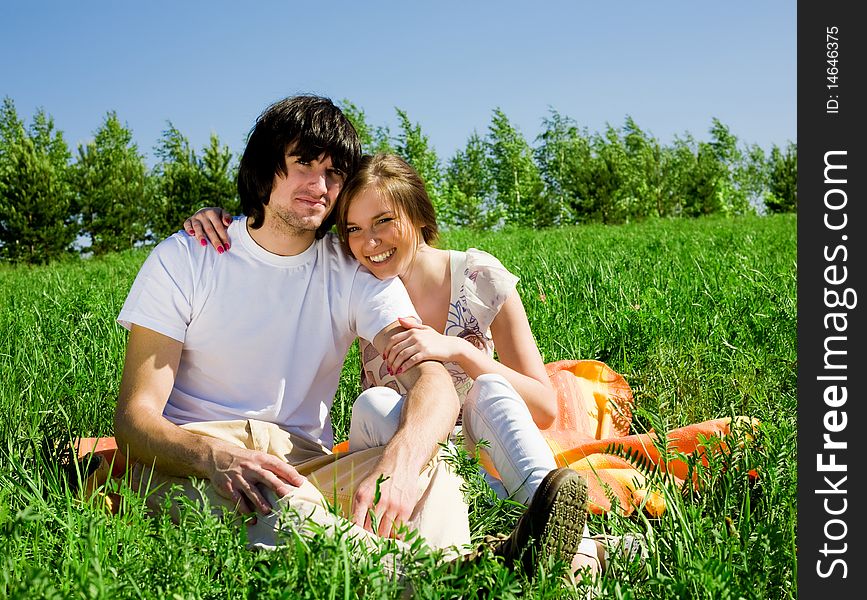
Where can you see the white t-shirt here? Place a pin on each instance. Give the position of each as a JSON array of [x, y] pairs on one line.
[[264, 336]]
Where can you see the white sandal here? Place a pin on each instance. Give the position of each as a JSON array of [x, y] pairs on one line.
[[623, 551]]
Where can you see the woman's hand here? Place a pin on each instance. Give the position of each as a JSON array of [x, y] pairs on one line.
[[210, 225], [418, 343]]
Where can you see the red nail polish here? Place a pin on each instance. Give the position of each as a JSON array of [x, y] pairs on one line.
[[227, 246], [399, 371], [389, 371], [220, 250], [204, 243], [191, 232]]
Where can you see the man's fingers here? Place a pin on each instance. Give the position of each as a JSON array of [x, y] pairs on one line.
[[252, 493], [280, 487], [241, 505], [286, 472], [231, 493], [391, 521], [362, 502], [384, 529], [359, 513]]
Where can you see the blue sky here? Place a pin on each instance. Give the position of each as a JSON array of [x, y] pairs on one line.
[[213, 66]]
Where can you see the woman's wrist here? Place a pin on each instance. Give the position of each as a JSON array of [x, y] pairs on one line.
[[468, 357]]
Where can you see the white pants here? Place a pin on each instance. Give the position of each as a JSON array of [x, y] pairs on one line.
[[493, 411]]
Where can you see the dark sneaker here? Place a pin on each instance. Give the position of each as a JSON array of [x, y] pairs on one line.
[[552, 525]]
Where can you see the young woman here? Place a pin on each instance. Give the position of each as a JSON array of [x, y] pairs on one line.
[[468, 304]]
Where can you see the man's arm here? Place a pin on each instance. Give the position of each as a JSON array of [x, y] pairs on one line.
[[429, 413], [142, 431]]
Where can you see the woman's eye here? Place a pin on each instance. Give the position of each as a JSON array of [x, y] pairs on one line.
[[351, 229], [385, 219]]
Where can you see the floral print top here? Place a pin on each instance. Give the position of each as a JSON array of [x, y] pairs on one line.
[[480, 286]]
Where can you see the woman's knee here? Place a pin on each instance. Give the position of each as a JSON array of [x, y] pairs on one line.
[[488, 389], [375, 407], [375, 404]]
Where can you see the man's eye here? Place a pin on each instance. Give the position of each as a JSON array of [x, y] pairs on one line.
[[337, 173]]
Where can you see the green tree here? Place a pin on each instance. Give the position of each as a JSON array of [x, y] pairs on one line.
[[563, 153], [652, 173], [733, 185], [114, 200], [35, 192], [414, 147], [782, 195], [219, 174], [373, 139], [752, 176], [608, 177], [517, 184], [699, 177], [179, 183], [468, 186]]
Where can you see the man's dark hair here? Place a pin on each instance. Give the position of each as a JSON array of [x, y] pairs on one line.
[[311, 125]]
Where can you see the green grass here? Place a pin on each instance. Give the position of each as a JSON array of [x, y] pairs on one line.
[[699, 316]]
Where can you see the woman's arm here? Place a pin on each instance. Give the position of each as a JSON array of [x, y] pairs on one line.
[[520, 361]]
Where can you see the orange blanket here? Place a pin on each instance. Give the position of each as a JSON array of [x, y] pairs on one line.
[[594, 414]]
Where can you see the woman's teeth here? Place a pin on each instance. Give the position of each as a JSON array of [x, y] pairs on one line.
[[381, 257]]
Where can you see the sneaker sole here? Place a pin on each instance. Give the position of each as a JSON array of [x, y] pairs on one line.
[[564, 529]]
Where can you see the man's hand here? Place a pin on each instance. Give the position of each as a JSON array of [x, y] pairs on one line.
[[390, 496], [237, 473], [429, 412]]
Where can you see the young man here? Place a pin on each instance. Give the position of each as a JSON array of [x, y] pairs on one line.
[[232, 363]]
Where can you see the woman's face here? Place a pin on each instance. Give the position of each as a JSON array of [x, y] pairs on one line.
[[379, 238]]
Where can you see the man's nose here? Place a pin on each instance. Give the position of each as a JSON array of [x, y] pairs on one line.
[[317, 182]]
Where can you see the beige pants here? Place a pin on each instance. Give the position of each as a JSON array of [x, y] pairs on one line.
[[440, 516]]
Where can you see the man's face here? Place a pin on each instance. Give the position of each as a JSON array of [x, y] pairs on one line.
[[303, 198]]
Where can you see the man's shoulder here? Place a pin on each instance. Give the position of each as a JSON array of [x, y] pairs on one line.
[[332, 252], [178, 245]]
